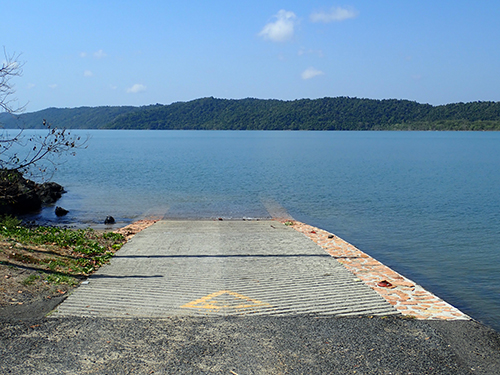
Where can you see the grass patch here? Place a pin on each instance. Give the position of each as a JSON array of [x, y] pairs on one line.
[[31, 279], [55, 278], [60, 278], [61, 254]]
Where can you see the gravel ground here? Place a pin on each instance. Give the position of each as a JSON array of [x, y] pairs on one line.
[[247, 345]]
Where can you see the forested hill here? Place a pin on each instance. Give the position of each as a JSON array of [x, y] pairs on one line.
[[339, 113], [70, 118]]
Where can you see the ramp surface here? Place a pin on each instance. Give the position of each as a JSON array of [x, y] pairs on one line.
[[176, 268]]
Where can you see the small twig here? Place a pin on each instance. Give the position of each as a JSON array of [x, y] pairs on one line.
[[232, 372]]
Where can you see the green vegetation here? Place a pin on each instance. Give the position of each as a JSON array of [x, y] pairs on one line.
[[61, 255], [341, 113], [55, 278], [68, 118]]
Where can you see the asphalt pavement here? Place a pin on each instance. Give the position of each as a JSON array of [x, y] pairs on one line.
[[247, 345]]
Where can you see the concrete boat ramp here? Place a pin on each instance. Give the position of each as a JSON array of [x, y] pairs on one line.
[[222, 268], [247, 297]]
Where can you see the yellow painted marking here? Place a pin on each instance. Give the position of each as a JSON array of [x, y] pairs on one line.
[[211, 302]]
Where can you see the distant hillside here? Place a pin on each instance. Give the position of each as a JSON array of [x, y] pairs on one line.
[[70, 118], [339, 113]]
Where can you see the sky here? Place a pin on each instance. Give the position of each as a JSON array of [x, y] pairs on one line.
[[99, 53]]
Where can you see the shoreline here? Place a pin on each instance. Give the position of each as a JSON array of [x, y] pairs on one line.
[[407, 297]]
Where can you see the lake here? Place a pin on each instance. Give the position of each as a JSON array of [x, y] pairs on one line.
[[426, 204]]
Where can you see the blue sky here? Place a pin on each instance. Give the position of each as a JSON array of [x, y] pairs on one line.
[[93, 53]]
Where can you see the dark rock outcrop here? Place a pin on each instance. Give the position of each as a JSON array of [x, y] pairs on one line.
[[61, 211], [49, 192], [18, 195]]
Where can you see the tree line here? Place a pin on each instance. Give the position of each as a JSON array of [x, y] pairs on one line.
[[340, 113]]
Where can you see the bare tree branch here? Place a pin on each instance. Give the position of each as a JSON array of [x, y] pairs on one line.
[[20, 155], [11, 67]]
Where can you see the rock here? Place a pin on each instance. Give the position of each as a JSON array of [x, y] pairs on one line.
[[109, 220], [61, 211], [18, 195], [49, 192]]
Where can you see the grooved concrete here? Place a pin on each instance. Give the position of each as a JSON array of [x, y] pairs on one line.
[[223, 268]]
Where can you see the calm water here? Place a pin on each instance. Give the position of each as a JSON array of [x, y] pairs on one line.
[[424, 203]]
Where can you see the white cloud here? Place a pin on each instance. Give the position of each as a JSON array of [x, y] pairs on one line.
[[282, 29], [334, 15], [31, 86], [100, 54], [88, 73], [53, 86], [311, 73], [83, 54], [136, 88]]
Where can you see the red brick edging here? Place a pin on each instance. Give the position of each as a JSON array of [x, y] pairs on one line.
[[407, 297], [137, 226]]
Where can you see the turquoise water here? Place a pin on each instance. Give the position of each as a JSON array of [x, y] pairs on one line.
[[427, 204]]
